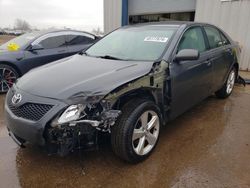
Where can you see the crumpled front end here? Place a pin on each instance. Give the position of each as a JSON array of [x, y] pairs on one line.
[[64, 125], [37, 120], [95, 116]]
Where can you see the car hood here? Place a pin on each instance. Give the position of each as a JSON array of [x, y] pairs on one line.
[[6, 54], [81, 74]]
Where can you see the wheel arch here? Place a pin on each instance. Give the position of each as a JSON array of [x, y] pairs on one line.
[[143, 93], [236, 66], [13, 66], [233, 65]]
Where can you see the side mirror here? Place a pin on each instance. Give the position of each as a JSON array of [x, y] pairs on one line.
[[36, 47], [98, 37], [187, 55]]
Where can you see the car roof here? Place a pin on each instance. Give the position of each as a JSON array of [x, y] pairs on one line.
[[167, 23], [50, 31]]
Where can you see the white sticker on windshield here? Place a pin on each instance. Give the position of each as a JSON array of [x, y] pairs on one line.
[[156, 39]]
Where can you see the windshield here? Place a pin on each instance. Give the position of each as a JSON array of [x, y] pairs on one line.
[[20, 41], [137, 43]]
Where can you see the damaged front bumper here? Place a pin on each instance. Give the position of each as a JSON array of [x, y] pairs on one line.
[[58, 138], [82, 133], [107, 119]]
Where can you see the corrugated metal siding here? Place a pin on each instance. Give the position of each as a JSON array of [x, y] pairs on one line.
[[233, 17], [112, 15], [137, 7]]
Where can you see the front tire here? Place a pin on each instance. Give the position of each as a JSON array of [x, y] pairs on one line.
[[8, 77], [136, 132], [228, 86]]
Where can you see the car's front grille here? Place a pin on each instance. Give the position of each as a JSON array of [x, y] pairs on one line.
[[30, 111]]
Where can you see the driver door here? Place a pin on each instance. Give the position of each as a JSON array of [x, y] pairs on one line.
[[53, 48], [190, 80]]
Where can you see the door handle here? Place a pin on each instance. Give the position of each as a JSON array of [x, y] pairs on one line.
[[229, 50], [208, 63]]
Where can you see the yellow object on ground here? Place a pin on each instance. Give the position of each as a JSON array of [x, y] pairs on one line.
[[13, 47]]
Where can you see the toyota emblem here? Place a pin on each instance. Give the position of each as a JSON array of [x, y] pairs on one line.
[[16, 98]]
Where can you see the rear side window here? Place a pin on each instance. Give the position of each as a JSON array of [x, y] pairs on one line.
[[193, 39], [214, 37], [78, 40], [53, 42]]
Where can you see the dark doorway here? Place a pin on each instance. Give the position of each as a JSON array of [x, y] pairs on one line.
[[182, 16]]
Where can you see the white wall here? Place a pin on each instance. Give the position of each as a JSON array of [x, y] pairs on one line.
[[112, 15], [233, 17]]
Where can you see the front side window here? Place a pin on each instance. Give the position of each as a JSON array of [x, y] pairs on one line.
[[137, 43], [53, 42], [193, 39], [225, 41], [78, 40], [214, 37]]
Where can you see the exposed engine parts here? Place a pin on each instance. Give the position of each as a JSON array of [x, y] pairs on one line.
[[63, 140], [82, 133], [107, 119], [102, 121]]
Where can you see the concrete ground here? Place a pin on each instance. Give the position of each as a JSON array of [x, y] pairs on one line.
[[208, 146], [5, 38]]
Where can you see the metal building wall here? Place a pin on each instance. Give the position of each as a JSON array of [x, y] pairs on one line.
[[112, 15], [113, 9], [137, 7], [233, 17]]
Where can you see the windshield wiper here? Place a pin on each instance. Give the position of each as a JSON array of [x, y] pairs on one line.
[[111, 57], [103, 57], [83, 53]]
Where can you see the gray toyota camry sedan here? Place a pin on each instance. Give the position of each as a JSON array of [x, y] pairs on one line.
[[129, 84]]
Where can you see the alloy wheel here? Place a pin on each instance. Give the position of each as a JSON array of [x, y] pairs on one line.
[[146, 133], [7, 79], [230, 82]]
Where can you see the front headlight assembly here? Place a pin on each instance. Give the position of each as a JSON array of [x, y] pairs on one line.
[[72, 113]]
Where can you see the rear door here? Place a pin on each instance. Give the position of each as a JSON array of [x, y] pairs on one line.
[[77, 41], [54, 48], [221, 55], [190, 80]]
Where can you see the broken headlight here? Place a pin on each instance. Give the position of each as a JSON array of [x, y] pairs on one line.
[[72, 113]]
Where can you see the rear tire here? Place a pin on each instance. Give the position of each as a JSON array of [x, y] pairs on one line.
[[8, 76], [228, 86], [136, 132]]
